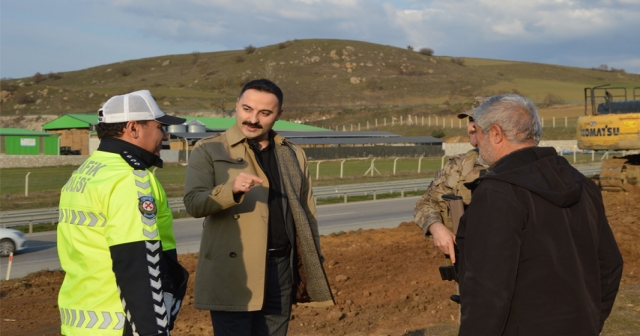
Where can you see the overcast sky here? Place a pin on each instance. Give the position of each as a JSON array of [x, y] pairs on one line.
[[62, 35]]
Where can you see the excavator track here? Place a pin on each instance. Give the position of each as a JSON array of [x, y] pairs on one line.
[[618, 172]]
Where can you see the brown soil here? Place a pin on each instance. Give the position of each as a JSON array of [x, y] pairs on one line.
[[385, 283]]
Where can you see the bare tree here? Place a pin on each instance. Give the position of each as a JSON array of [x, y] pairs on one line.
[[195, 57]]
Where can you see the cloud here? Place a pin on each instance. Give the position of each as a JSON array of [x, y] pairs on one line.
[[513, 27], [570, 32], [521, 30], [511, 19]]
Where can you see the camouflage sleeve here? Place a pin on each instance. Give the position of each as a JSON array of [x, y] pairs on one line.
[[431, 207]]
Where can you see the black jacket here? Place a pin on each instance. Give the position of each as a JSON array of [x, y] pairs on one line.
[[537, 255]]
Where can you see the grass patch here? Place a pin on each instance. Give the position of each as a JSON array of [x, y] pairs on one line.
[[356, 168], [45, 184], [12, 180], [538, 88]]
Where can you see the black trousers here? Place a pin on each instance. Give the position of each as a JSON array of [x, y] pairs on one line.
[[273, 318]]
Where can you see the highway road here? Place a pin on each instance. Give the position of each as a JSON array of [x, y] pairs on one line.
[[41, 252]]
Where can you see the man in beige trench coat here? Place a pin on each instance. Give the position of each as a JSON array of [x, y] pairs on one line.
[[260, 249]]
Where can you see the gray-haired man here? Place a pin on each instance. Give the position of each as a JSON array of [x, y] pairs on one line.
[[537, 255]]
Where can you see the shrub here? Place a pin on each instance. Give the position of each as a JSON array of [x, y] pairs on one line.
[[410, 48], [25, 99], [438, 133], [54, 76], [124, 72], [249, 49], [37, 78], [457, 60], [426, 51], [604, 67], [552, 99], [373, 84], [239, 59], [284, 44]]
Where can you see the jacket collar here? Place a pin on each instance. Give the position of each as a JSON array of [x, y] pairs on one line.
[[135, 156], [539, 170], [235, 136]]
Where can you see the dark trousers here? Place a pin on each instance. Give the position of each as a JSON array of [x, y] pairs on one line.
[[273, 319]]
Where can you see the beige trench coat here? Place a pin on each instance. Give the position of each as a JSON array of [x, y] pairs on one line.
[[230, 275]]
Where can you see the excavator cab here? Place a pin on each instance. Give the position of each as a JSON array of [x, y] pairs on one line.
[[613, 123]]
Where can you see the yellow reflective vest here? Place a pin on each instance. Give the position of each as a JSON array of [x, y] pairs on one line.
[[105, 203]]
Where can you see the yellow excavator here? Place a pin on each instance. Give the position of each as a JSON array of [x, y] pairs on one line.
[[612, 124]]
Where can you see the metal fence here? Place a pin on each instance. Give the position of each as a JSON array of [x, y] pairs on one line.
[[50, 215], [328, 153]]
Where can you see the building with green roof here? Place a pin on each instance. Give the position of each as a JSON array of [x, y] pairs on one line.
[[19, 141], [76, 129], [69, 121]]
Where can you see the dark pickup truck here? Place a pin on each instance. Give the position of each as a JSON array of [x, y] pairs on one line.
[[66, 150]]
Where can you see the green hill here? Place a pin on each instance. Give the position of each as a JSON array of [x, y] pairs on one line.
[[326, 82]]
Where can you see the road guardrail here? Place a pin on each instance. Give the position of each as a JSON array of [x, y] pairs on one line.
[[50, 215]]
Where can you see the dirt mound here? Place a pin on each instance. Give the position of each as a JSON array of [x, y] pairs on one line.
[[385, 282]]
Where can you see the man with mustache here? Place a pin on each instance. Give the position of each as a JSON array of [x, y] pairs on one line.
[[260, 249], [537, 255]]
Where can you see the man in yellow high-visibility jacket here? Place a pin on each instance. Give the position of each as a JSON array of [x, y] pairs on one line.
[[115, 234]]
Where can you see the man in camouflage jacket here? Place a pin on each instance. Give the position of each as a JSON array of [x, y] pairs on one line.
[[431, 211]]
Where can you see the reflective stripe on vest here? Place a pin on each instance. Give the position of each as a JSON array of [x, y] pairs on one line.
[[94, 320], [80, 217]]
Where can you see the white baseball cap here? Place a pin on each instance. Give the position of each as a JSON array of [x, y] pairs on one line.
[[134, 106]]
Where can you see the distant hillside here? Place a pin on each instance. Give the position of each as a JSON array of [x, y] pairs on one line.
[[326, 82]]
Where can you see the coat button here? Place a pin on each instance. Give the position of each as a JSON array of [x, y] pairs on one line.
[[236, 216], [232, 254], [240, 160]]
